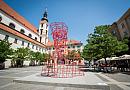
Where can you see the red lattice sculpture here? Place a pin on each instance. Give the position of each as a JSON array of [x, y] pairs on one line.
[[59, 66]]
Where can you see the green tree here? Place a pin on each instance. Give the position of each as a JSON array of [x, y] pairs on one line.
[[101, 44], [74, 55], [89, 52], [39, 57], [36, 57], [47, 57], [5, 51], [32, 58], [71, 55], [20, 55], [126, 41]]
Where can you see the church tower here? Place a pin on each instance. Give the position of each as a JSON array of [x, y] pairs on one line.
[[43, 28]]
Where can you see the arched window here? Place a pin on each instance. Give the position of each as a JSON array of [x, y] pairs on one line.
[[40, 39], [78, 46], [11, 25], [122, 25], [0, 18], [36, 38], [22, 31], [28, 44], [6, 37], [46, 32], [30, 35], [42, 25], [126, 33], [32, 46], [113, 32]]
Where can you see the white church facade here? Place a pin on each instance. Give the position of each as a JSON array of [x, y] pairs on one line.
[[18, 31]]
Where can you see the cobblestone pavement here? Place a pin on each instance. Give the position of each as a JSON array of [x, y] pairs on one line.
[[120, 77], [116, 81]]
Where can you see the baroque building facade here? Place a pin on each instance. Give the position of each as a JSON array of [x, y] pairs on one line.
[[121, 28], [20, 33]]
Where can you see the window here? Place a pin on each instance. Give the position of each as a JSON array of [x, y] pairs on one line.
[[6, 37], [41, 31], [46, 26], [40, 39], [39, 49], [36, 38], [78, 46], [122, 25], [15, 40], [36, 47], [22, 43], [42, 25], [30, 35], [68, 46], [32, 46], [129, 18], [11, 25], [126, 33], [46, 32], [28, 44], [73, 46], [113, 32], [42, 49], [0, 18], [22, 31], [45, 40]]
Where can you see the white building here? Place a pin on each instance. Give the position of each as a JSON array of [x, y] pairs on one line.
[[20, 32], [71, 45]]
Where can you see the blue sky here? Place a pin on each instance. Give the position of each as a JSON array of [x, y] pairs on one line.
[[81, 16]]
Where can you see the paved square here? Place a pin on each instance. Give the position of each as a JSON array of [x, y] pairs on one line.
[[8, 75], [89, 81]]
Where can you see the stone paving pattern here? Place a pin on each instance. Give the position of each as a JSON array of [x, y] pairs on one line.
[[116, 81], [121, 77]]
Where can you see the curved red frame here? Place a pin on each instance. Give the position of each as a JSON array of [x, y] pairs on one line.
[[60, 67]]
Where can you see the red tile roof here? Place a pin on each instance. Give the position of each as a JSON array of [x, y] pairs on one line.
[[8, 10], [49, 44], [73, 42]]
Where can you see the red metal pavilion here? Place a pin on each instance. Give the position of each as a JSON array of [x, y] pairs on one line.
[[59, 66]]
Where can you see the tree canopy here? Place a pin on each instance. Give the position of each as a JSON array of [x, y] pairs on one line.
[[73, 55], [19, 56], [5, 50], [102, 44]]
